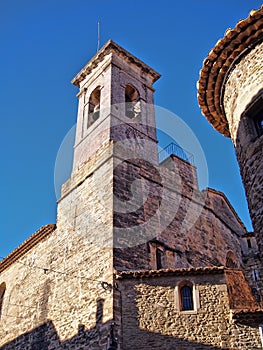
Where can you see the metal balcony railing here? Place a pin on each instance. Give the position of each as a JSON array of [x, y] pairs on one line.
[[178, 151]]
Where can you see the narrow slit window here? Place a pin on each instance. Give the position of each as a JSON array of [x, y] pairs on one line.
[[255, 275]]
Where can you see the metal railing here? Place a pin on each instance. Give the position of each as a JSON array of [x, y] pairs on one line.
[[178, 151]]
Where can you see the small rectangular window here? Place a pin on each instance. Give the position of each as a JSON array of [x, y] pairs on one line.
[[255, 275], [249, 243]]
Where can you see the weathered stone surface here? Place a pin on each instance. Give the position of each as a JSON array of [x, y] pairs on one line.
[[243, 89], [230, 94], [120, 211], [152, 320]]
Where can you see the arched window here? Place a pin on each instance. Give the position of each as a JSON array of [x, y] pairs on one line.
[[94, 106], [2, 293], [132, 102], [186, 294], [231, 261]]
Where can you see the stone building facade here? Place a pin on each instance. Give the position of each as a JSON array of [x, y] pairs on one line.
[[139, 257], [156, 320], [230, 96]]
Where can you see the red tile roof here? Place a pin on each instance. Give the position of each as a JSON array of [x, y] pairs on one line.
[[170, 272], [219, 63]]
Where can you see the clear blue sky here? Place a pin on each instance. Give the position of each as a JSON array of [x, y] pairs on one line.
[[45, 43]]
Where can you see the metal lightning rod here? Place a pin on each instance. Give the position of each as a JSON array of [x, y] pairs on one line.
[[98, 47]]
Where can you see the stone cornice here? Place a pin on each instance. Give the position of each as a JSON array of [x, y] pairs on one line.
[[38, 236], [220, 61], [112, 47]]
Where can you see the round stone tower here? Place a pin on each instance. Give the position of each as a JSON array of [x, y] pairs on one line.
[[230, 94]]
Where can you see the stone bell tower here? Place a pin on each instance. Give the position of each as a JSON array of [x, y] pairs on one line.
[[115, 147], [115, 93], [115, 134], [231, 97]]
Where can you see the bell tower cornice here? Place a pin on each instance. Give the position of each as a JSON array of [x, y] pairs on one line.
[[112, 48]]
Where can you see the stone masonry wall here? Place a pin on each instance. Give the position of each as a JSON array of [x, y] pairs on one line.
[[54, 297], [253, 265], [113, 211], [244, 84], [193, 228], [204, 227], [152, 319]]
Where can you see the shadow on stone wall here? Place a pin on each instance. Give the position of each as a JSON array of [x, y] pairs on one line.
[[45, 337], [159, 326]]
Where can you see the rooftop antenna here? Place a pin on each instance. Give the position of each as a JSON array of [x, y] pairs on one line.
[[98, 47]]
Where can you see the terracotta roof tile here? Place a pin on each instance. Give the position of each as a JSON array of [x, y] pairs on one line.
[[170, 272], [218, 63]]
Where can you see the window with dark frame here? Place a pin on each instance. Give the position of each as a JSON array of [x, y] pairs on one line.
[[186, 293]]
